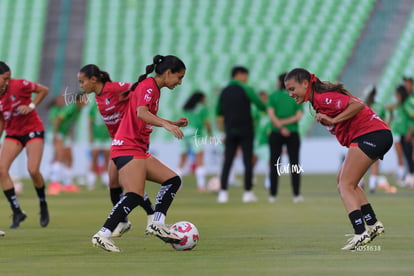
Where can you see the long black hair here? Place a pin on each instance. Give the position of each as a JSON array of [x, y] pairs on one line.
[[92, 70], [402, 91], [160, 64], [318, 86], [193, 101], [4, 67]]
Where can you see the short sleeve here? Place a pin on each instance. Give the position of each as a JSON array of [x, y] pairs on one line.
[[28, 86], [145, 94]]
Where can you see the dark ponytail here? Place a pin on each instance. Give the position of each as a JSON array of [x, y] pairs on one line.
[[91, 70], [193, 101], [4, 67], [160, 64], [318, 86]]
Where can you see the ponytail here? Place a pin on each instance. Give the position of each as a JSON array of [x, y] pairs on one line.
[[92, 70]]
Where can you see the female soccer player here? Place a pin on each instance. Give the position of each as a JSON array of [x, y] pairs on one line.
[[24, 128], [195, 109], [111, 105], [130, 154], [355, 126]]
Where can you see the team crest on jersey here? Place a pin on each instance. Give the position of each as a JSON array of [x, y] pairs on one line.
[[121, 83], [107, 101], [147, 98], [13, 97], [339, 104]]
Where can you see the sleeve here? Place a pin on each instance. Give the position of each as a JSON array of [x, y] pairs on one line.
[[254, 98], [204, 114], [408, 106], [333, 103], [66, 112], [92, 112], [145, 94], [28, 86]]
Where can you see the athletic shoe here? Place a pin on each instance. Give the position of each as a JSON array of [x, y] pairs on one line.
[[357, 240], [223, 197], [297, 199], [375, 230], [149, 219], [54, 188], [44, 215], [272, 199], [17, 218], [105, 243], [248, 196], [162, 231], [121, 229], [2, 233]]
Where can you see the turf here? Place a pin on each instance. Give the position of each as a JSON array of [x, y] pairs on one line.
[[235, 238]]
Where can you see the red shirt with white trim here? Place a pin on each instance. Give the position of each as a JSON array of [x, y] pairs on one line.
[[19, 92], [133, 135], [111, 106], [365, 121]]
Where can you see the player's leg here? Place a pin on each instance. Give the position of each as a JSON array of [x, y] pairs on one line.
[[200, 170], [158, 172], [8, 152], [293, 148], [276, 142], [247, 150], [400, 160], [93, 170], [373, 177], [34, 151], [355, 165], [132, 174], [231, 144]]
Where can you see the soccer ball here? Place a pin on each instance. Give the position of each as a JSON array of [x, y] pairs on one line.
[[213, 185], [188, 234]]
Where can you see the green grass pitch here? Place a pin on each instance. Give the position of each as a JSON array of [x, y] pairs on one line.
[[235, 238]]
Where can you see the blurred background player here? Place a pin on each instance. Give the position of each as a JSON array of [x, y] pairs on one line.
[[234, 106], [100, 142], [379, 109], [63, 136], [130, 153], [355, 126], [195, 109], [399, 126], [284, 113], [24, 129], [409, 137], [111, 104]]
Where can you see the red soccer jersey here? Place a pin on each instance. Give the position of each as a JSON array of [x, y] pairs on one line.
[[132, 137], [365, 121], [110, 106], [19, 92]]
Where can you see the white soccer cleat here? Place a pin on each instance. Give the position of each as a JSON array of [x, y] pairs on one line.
[[248, 196], [357, 240], [105, 243], [121, 229], [223, 197], [162, 231], [272, 199], [375, 230], [2, 234], [149, 220], [297, 199]]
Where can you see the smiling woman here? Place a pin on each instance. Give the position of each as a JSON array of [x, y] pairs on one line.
[[357, 127], [24, 128], [130, 153]]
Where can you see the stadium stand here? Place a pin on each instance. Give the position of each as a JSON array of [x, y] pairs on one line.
[[212, 36], [401, 63], [21, 36]]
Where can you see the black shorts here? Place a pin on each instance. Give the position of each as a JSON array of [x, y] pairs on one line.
[[122, 161], [23, 140], [374, 144]]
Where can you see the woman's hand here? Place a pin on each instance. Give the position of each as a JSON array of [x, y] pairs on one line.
[[182, 122], [324, 119], [175, 130], [24, 109]]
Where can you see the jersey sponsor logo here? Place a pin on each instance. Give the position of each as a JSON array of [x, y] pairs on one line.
[[25, 83], [121, 83], [369, 144], [328, 100], [111, 117], [339, 104], [7, 115], [117, 142], [109, 108], [149, 90], [147, 98]]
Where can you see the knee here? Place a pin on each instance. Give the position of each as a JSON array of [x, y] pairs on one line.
[[3, 171], [174, 182], [33, 172]]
